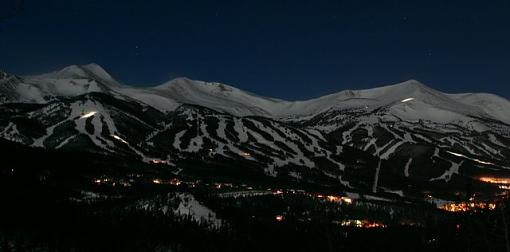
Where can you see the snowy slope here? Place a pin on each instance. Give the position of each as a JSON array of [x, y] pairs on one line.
[[101, 123], [419, 133], [181, 204], [69, 82], [410, 100], [492, 105], [90, 71], [217, 96]]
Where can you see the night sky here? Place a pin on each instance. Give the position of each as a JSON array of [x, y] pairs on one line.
[[287, 49]]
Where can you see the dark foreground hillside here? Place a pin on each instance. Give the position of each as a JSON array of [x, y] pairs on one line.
[[71, 201]]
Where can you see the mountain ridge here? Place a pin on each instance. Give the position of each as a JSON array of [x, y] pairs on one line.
[[99, 70], [166, 97]]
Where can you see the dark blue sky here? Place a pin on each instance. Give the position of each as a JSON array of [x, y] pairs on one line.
[[288, 49]]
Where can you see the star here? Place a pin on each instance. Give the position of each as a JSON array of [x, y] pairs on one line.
[[137, 52]]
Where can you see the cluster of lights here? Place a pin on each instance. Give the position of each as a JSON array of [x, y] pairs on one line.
[[495, 180], [112, 182], [102, 181], [347, 200], [330, 198], [465, 206], [279, 218], [173, 182], [159, 181], [278, 192], [503, 183], [159, 161], [219, 185], [245, 154], [335, 199], [362, 224]]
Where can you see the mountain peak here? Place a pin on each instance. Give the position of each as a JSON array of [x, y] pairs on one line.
[[181, 79], [95, 68], [411, 84], [402, 90], [88, 71]]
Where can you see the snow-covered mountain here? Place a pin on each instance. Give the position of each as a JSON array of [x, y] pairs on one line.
[[406, 99], [423, 136], [68, 82]]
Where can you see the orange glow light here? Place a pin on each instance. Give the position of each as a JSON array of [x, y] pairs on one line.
[[495, 180]]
